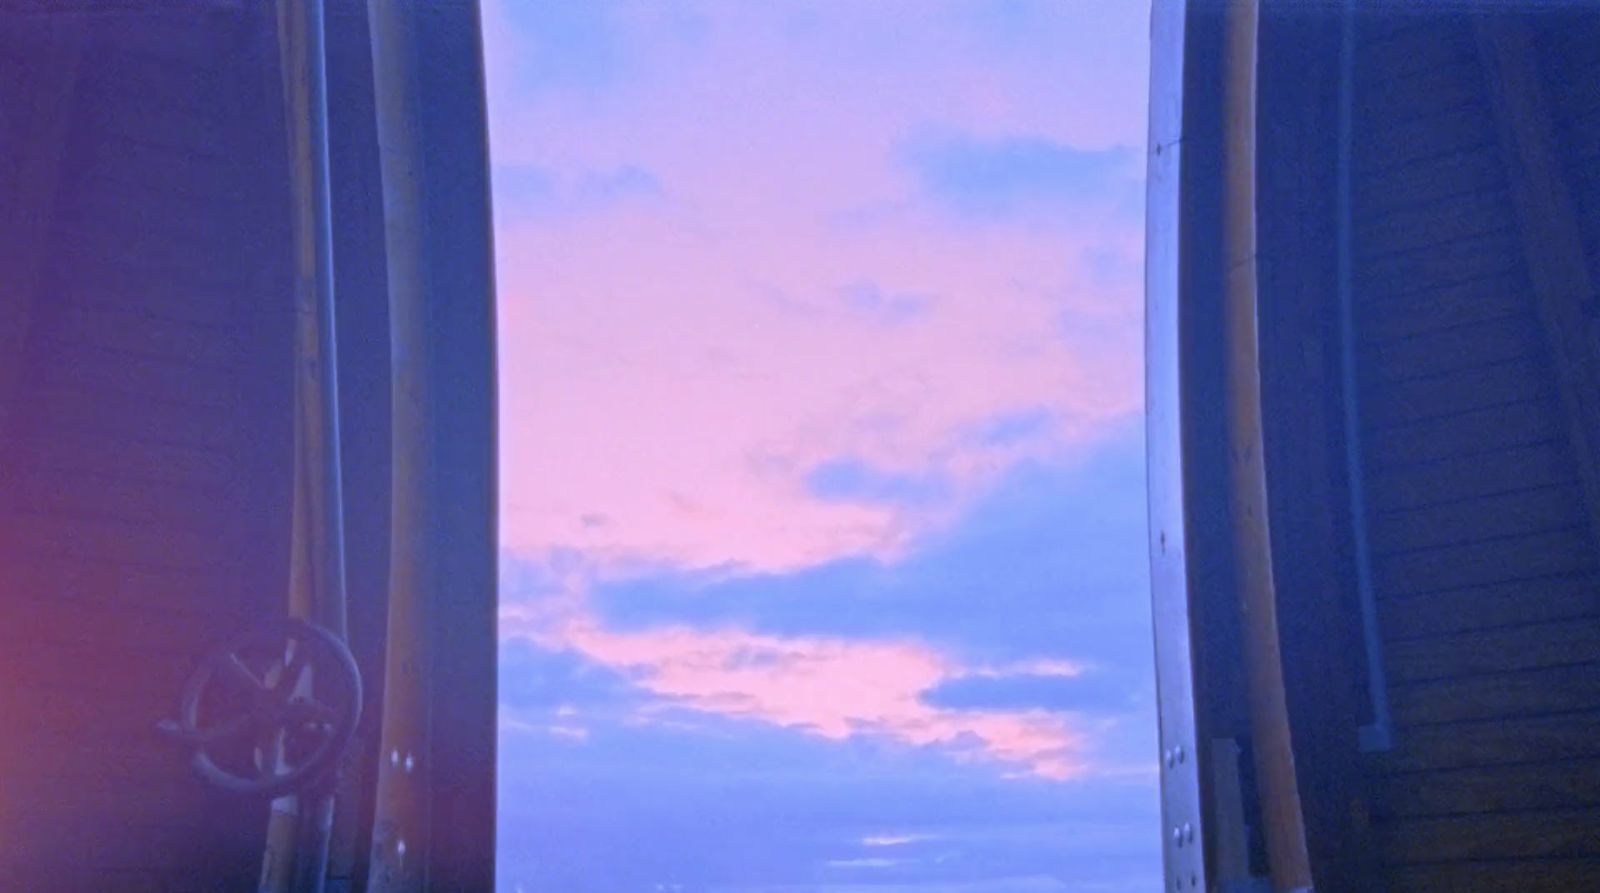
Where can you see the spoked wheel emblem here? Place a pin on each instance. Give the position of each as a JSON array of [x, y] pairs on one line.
[[270, 712]]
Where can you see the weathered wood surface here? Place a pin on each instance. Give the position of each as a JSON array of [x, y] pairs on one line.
[[1486, 569]]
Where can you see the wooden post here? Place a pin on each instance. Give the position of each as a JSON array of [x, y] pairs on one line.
[[299, 826], [1269, 717], [402, 823], [433, 828]]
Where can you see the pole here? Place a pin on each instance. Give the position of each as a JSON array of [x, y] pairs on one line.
[[402, 821], [1281, 813], [299, 827]]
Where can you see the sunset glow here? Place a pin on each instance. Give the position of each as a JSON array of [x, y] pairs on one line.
[[813, 317]]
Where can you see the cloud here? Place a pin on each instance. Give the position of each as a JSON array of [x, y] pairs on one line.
[[1014, 638], [545, 45], [1091, 692], [1050, 563], [889, 308], [993, 179], [832, 688], [723, 804], [531, 193], [650, 378], [851, 480], [781, 496]]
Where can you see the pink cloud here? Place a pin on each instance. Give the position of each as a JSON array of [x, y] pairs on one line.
[[830, 687], [673, 368]]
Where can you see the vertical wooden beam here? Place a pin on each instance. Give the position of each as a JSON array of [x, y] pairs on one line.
[[1552, 242], [300, 826], [1281, 812], [402, 823], [28, 207], [434, 823]]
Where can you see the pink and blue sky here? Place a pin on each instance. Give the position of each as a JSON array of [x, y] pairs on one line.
[[822, 500]]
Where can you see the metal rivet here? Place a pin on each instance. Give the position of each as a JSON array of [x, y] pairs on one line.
[[409, 763], [1171, 756], [1177, 836], [394, 757], [1194, 880], [1188, 833], [400, 847], [1179, 749]]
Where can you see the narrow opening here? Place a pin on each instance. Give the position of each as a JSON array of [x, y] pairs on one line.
[[823, 506]]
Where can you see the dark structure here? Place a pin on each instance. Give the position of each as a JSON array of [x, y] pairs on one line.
[[246, 374], [1374, 408]]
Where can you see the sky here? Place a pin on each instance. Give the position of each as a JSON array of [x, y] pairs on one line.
[[822, 501]]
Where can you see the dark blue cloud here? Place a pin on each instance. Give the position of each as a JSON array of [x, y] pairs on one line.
[[1052, 563], [532, 678], [852, 480], [1021, 176]]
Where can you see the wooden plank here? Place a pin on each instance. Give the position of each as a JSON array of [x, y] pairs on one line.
[[96, 679], [80, 411], [1511, 876], [121, 166], [1491, 743], [1551, 785], [1451, 81], [163, 592], [1473, 302], [1558, 597], [1436, 269], [1483, 563], [26, 213], [135, 332], [1465, 216], [128, 460], [1504, 650], [1475, 431], [1586, 193], [204, 233], [1443, 177], [107, 372], [70, 495], [1425, 397], [1419, 140], [41, 620], [112, 540], [181, 803], [1395, 45], [1518, 513], [1552, 244], [1450, 480], [1518, 835], [61, 706], [125, 85], [108, 276], [1506, 696], [1449, 350]]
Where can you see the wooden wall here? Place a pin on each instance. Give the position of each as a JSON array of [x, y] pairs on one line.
[[144, 437], [1484, 552]]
